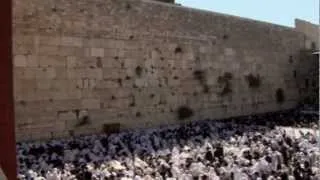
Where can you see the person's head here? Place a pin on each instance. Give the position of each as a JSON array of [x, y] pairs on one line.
[[268, 159], [306, 164], [204, 177]]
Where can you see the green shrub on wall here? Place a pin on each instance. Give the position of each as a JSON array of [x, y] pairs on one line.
[[253, 81], [224, 81], [200, 76], [83, 121]]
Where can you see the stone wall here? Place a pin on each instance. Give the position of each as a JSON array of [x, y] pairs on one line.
[[311, 31], [80, 65], [308, 73]]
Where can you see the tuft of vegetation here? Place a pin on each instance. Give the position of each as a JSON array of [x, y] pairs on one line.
[[206, 88], [23, 103], [138, 114], [226, 89], [199, 75], [128, 6], [85, 120], [290, 59], [178, 50], [184, 112], [280, 96], [138, 71], [225, 37], [120, 82], [71, 133], [224, 81], [111, 128], [133, 102], [253, 81], [228, 75]]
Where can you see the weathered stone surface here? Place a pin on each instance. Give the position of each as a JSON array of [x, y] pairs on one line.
[[121, 65]]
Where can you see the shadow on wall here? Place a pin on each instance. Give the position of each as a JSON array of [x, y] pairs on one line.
[[167, 1], [307, 76]]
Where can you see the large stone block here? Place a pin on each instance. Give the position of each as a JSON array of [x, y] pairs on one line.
[[44, 73], [85, 73], [52, 61], [20, 61], [61, 105], [97, 52], [49, 50], [32, 61], [90, 104], [72, 41], [50, 40]]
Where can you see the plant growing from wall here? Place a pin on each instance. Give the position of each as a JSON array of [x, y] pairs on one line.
[[290, 59], [280, 96], [205, 88], [71, 133], [133, 102], [228, 75], [23, 103], [138, 114], [224, 82], [138, 71], [225, 37], [128, 6], [111, 128], [85, 120], [253, 81], [200, 76], [184, 112], [177, 50]]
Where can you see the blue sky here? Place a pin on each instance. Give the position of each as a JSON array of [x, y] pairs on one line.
[[281, 12]]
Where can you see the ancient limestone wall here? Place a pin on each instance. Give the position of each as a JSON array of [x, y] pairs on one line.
[[311, 31], [82, 64], [308, 72]]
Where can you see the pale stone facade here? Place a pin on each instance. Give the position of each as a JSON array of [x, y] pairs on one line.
[[308, 73], [312, 32], [134, 62]]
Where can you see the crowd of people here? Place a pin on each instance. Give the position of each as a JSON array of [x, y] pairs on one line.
[[244, 148]]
